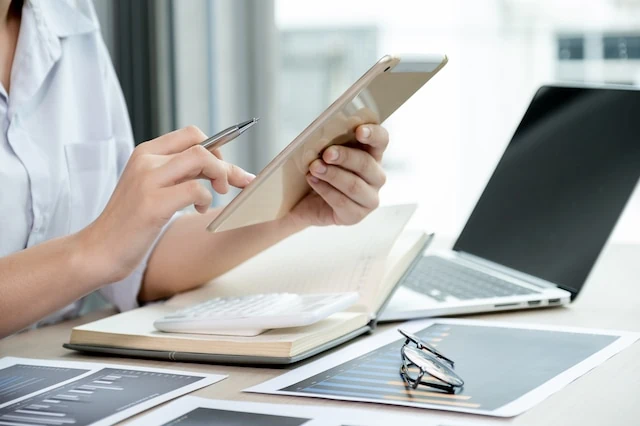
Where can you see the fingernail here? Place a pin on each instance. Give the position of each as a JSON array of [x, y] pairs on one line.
[[366, 132], [332, 154], [314, 179], [319, 168], [249, 177]]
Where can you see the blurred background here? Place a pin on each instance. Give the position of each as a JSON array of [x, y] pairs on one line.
[[213, 63]]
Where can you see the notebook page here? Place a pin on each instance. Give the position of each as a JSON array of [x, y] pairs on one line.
[[317, 260]]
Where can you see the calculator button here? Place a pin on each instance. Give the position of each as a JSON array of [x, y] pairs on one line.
[[254, 313]]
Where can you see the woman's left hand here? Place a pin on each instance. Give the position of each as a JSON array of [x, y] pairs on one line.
[[345, 181]]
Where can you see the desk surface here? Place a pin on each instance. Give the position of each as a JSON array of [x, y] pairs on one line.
[[611, 299]]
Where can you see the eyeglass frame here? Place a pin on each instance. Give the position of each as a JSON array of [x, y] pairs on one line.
[[431, 355]]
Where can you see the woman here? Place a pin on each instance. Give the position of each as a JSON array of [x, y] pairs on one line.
[[69, 226]]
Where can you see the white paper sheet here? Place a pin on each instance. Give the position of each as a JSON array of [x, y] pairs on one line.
[[348, 380], [195, 411], [339, 259], [51, 392]]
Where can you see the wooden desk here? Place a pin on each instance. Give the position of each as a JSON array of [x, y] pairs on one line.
[[606, 395]]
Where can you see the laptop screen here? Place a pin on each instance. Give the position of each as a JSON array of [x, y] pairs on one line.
[[560, 186]]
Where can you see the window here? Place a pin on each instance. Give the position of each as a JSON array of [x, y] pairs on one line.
[[570, 48], [621, 47], [448, 138]]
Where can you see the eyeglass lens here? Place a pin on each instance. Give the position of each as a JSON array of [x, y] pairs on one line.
[[429, 363]]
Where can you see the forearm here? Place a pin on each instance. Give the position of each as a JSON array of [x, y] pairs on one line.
[[38, 281], [188, 256]]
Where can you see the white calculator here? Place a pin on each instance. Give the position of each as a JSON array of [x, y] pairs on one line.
[[255, 314]]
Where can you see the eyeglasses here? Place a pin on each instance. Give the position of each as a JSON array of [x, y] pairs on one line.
[[419, 355]]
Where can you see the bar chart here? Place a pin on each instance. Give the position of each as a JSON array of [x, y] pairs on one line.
[[91, 398], [22, 379], [215, 417], [376, 375], [498, 365]]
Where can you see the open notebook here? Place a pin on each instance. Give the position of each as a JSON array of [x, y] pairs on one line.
[[369, 258]]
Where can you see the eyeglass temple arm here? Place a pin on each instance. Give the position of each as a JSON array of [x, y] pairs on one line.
[[410, 338]]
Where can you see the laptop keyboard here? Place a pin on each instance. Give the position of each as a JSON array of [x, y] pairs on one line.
[[439, 278]]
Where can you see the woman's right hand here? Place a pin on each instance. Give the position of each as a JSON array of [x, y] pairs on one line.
[[160, 178]]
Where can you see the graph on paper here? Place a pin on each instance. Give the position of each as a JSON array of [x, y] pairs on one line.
[[91, 398], [498, 365], [216, 417], [22, 379]]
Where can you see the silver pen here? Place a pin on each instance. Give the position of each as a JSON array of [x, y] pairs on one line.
[[228, 134]]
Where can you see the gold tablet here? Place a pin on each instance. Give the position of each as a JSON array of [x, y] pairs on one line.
[[371, 99]]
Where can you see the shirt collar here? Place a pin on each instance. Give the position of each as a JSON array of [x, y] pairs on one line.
[[65, 18], [44, 24]]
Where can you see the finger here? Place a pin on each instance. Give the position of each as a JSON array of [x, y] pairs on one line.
[[357, 161], [375, 137], [349, 183], [174, 142], [197, 162], [345, 210], [188, 193], [217, 153]]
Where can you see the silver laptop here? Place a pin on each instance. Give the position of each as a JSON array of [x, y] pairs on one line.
[[545, 214]]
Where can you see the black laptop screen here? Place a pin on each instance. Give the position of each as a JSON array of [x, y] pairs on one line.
[[560, 186]]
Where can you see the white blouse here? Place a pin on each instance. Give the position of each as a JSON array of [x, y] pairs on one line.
[[65, 137]]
